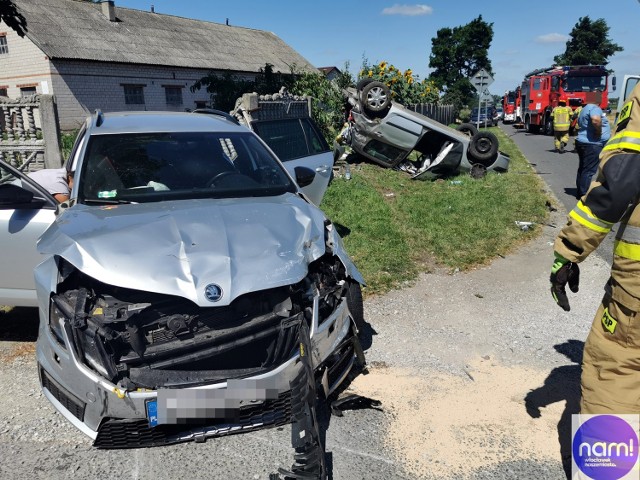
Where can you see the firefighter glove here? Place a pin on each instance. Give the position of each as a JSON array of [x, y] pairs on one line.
[[564, 272]]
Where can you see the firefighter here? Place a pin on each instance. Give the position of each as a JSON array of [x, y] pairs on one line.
[[611, 363], [561, 116], [574, 124]]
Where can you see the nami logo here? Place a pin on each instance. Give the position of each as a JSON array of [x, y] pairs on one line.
[[605, 447]]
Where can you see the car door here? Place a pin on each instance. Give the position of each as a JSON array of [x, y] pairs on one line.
[[26, 211], [298, 143]]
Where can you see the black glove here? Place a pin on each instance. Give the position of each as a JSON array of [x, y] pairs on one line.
[[564, 272]]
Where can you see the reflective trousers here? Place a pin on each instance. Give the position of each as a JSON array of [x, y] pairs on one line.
[[611, 362], [560, 138]]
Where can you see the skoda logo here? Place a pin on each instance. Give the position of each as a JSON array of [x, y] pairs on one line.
[[213, 292]]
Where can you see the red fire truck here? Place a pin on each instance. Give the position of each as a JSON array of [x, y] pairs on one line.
[[511, 105], [577, 85]]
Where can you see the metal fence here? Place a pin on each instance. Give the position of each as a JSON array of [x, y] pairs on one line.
[[29, 134], [444, 114]]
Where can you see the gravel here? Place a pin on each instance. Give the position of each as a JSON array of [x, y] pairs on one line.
[[443, 333]]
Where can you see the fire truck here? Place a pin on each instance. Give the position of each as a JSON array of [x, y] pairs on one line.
[[511, 105], [543, 88]]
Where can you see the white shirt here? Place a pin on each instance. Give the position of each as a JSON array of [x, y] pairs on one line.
[[53, 179]]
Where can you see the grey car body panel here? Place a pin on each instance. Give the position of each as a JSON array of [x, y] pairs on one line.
[[183, 246], [19, 230], [322, 164]]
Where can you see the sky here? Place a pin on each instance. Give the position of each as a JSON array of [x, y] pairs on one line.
[[526, 35]]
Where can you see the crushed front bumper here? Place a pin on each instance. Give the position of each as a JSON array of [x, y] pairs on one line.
[[120, 419]]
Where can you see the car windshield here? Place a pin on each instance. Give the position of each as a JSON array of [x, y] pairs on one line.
[[148, 167], [483, 112], [574, 83]]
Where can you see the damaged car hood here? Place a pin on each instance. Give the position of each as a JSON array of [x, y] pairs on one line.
[[182, 247]]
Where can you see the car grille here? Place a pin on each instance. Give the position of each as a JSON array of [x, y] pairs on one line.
[[114, 434], [68, 401]]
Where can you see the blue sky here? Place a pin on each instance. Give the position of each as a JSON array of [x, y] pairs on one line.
[[526, 35]]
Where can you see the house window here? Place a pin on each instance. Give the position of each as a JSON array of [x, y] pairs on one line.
[[133, 94], [173, 95], [26, 91], [3, 44], [3, 91], [201, 103]]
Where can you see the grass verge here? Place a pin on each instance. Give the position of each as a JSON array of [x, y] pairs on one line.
[[394, 227]]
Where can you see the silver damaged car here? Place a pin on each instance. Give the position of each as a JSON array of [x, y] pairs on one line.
[[174, 285]]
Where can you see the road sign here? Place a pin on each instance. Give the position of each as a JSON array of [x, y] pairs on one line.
[[481, 80], [486, 95]]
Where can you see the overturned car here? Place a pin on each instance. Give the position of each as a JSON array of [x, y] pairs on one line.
[[175, 286], [386, 133]]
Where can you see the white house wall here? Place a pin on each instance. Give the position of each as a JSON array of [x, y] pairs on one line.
[[25, 65], [81, 87]]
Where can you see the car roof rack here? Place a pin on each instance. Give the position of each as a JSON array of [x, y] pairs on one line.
[[219, 113]]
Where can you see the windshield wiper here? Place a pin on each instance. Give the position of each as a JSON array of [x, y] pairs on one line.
[[106, 201]]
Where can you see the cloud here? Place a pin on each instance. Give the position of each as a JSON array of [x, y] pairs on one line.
[[552, 38], [408, 10]]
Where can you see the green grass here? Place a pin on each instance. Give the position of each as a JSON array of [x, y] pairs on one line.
[[395, 227]]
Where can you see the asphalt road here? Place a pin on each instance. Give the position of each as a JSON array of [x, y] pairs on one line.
[[557, 170]]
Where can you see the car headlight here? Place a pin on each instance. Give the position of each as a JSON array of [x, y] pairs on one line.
[[56, 319]]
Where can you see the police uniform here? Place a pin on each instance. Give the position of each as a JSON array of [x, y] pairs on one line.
[[561, 116], [611, 363]]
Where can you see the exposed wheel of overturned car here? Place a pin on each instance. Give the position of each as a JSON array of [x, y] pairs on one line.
[[468, 129], [375, 97], [483, 147]]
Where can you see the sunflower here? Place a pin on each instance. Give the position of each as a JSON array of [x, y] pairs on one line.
[[382, 66]]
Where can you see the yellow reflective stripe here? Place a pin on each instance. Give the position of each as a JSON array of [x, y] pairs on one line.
[[627, 250], [587, 223], [624, 139], [584, 216]]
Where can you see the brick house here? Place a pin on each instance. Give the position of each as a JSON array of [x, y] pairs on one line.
[[98, 55]]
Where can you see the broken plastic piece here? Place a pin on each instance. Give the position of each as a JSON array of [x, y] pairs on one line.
[[353, 402]]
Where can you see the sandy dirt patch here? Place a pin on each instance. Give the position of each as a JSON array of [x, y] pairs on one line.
[[448, 424]]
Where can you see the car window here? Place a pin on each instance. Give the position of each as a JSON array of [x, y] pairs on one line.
[[291, 138], [383, 151], [151, 167]]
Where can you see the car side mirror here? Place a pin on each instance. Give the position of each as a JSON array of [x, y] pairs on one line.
[[12, 196], [304, 176]]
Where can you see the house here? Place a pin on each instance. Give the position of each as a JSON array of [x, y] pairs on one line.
[[330, 72], [99, 55]]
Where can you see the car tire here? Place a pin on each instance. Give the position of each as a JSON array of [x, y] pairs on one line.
[[363, 82], [548, 125], [483, 147], [354, 302], [375, 97], [468, 129]]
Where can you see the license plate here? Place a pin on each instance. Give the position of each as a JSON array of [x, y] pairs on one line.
[[152, 412]]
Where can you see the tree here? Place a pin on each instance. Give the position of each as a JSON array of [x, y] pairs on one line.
[[589, 44], [457, 54], [10, 15]]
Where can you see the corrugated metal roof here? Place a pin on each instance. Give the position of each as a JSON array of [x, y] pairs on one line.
[[78, 30]]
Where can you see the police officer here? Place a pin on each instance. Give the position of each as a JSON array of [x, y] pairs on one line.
[[611, 362], [561, 116]]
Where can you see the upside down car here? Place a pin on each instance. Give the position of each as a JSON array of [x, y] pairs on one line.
[[385, 132]]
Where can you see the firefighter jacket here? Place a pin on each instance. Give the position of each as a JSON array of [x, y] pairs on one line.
[[614, 196], [561, 118]]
